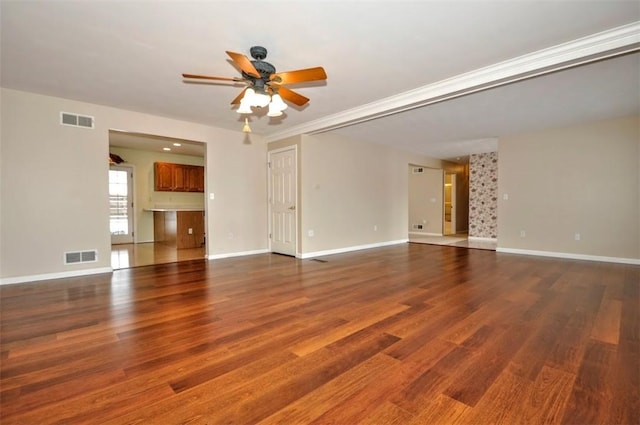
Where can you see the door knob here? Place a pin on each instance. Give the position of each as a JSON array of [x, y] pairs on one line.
[[293, 207]]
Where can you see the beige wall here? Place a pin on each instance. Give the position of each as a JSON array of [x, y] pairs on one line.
[[350, 186], [581, 179], [346, 187], [426, 192], [54, 183], [426, 196], [146, 196]]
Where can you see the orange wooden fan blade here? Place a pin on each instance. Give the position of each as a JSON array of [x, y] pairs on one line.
[[292, 96], [238, 98], [206, 77], [244, 63], [299, 76]]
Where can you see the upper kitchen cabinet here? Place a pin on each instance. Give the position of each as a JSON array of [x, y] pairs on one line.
[[178, 177], [163, 176], [196, 178]]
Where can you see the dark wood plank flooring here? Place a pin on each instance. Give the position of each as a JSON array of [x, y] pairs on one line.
[[407, 334]]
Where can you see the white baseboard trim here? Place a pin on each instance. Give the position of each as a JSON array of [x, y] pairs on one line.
[[477, 239], [425, 234], [237, 254], [350, 248], [570, 256], [48, 276]]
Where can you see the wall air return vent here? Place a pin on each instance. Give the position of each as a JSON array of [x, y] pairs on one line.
[[418, 170], [77, 257], [76, 120]]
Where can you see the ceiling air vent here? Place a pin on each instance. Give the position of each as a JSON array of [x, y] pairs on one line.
[[418, 170], [76, 120], [77, 257]]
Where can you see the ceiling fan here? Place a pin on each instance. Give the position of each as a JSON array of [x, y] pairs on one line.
[[265, 86]]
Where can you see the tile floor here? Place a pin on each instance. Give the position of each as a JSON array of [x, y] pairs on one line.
[[124, 256], [459, 240]]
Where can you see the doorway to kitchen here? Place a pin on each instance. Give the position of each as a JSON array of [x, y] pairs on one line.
[[139, 240]]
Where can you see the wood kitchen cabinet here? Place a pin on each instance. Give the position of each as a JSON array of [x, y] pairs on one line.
[[196, 178], [163, 176], [190, 229], [178, 177]]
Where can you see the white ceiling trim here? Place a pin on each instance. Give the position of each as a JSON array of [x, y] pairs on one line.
[[599, 46]]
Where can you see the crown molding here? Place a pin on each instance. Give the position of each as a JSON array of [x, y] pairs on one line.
[[603, 45]]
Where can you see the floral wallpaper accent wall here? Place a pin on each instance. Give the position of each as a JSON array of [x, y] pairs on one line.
[[483, 195]]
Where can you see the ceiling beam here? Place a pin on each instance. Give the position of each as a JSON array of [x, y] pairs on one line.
[[603, 45]]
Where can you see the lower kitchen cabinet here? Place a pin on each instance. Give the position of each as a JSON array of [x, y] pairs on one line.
[[182, 229]]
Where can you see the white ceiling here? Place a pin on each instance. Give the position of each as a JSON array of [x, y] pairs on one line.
[[156, 143], [130, 54]]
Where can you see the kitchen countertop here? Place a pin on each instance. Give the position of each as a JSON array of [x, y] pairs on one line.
[[174, 209]]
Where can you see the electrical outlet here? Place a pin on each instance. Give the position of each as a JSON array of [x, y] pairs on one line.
[[577, 236], [311, 233], [523, 234], [190, 231], [375, 227]]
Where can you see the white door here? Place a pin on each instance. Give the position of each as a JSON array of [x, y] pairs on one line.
[[121, 204], [282, 201]]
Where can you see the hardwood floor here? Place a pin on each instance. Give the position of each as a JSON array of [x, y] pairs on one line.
[[406, 334]]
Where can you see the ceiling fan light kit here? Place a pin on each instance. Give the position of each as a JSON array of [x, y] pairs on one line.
[[245, 108], [253, 98], [278, 103], [277, 106], [265, 87]]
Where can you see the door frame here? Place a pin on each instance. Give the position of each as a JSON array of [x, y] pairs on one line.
[[132, 197], [294, 148], [454, 203]]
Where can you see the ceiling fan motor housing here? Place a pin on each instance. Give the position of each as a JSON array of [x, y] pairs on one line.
[[258, 52], [264, 68]]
